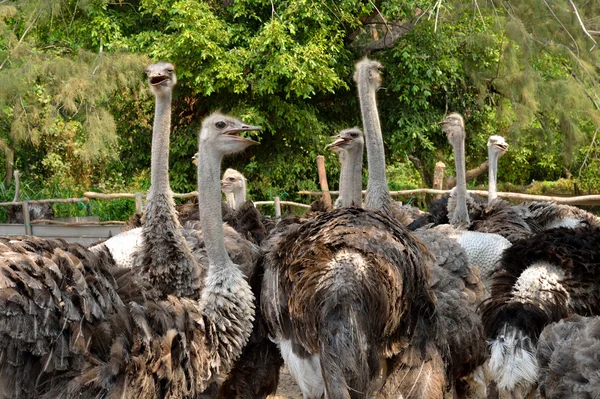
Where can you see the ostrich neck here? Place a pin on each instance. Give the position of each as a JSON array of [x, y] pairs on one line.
[[342, 156], [461, 214], [159, 177], [378, 196], [351, 189], [209, 198], [230, 200], [240, 196], [17, 188], [492, 175]]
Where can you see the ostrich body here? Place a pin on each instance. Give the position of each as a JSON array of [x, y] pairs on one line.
[[342, 292], [43, 211], [164, 256], [539, 281], [567, 356], [233, 185], [349, 144]]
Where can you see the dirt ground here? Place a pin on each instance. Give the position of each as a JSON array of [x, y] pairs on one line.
[[287, 389]]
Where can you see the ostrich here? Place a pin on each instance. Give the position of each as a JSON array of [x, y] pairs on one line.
[[345, 290], [455, 284], [483, 249], [233, 185], [349, 145], [41, 211], [540, 280], [567, 355], [75, 325], [499, 216], [497, 147]]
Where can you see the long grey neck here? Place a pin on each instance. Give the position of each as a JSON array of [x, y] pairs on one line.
[[492, 175], [341, 202], [351, 189], [209, 198], [240, 196], [17, 188], [378, 196], [461, 214], [159, 177]]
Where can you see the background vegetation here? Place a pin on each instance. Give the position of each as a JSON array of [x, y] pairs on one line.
[[76, 115]]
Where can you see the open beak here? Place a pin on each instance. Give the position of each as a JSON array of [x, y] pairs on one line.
[[156, 80], [338, 140], [502, 147], [237, 130]]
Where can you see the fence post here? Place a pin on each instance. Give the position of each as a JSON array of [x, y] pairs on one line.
[[139, 204], [438, 177], [323, 181], [26, 219], [277, 208]]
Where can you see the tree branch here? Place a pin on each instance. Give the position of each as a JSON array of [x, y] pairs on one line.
[[582, 25], [471, 174]]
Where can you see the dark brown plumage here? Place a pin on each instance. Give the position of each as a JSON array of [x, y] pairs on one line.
[[71, 324], [539, 281], [349, 286], [502, 218]]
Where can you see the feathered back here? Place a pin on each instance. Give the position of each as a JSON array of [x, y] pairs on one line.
[[395, 290], [502, 218]]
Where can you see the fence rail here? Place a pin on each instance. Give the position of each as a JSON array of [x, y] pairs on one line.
[[576, 200]]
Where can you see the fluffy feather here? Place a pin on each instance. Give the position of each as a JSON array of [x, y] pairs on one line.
[[350, 286]]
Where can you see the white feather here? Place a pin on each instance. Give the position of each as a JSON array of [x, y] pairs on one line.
[[511, 364], [306, 372]]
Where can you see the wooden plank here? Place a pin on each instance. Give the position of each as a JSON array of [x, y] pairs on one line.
[[75, 231], [12, 229]]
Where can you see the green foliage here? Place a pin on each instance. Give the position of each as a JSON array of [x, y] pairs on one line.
[[77, 113]]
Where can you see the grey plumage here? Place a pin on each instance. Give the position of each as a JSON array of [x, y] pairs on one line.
[[568, 355]]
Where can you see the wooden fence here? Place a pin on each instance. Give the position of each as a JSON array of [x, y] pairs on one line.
[[87, 232], [576, 200]]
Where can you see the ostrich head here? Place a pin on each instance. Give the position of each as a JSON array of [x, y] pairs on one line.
[[454, 127], [161, 77], [498, 145], [348, 139], [222, 134], [232, 181], [373, 70]]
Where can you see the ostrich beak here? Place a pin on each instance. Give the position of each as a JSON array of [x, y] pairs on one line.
[[235, 131], [338, 140]]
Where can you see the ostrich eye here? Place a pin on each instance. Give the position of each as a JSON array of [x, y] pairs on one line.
[[170, 70], [354, 135], [220, 124], [230, 179]]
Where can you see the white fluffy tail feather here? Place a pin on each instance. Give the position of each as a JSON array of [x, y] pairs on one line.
[[512, 364]]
